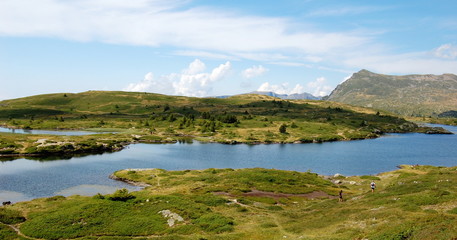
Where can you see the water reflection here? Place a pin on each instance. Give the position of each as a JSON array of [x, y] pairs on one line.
[[13, 196], [48, 132], [89, 174]]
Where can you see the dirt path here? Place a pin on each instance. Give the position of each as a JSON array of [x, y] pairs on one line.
[[18, 231], [311, 195], [257, 193]]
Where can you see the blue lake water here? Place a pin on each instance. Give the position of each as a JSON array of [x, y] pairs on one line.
[[48, 132], [24, 179]]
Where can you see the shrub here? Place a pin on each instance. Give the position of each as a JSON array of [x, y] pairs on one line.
[[55, 198], [9, 216], [213, 222], [121, 195], [98, 196], [369, 177]]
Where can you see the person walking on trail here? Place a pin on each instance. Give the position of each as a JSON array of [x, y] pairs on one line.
[[340, 196], [373, 186]]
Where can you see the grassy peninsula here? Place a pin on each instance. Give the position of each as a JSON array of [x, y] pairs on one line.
[[155, 118], [414, 202]]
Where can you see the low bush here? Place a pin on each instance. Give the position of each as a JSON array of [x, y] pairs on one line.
[[9, 216], [370, 177], [214, 222], [120, 195]]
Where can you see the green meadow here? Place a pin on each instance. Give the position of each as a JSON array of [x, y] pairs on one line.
[[414, 202], [131, 117]]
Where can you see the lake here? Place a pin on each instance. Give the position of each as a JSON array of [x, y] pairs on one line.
[[47, 132], [24, 179]]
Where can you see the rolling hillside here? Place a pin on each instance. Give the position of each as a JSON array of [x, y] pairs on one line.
[[410, 95], [414, 202], [148, 117]]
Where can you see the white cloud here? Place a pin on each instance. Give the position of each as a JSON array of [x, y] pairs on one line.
[[344, 11], [167, 23], [297, 89], [319, 87], [267, 87], [150, 84], [282, 88], [291, 64], [195, 67], [219, 34], [192, 81], [346, 78], [205, 54], [446, 51], [410, 63], [254, 71]]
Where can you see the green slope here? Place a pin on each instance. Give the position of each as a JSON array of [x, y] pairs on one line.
[[148, 117], [410, 95], [415, 202]]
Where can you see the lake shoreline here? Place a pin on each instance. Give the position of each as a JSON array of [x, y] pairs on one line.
[[324, 159], [97, 148]]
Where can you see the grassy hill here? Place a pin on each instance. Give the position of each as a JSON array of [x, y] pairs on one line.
[[415, 202], [410, 95], [149, 117]]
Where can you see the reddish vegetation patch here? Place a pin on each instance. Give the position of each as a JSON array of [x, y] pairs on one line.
[[257, 193]]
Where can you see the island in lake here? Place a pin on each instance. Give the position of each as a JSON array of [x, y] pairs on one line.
[[131, 117], [254, 203]]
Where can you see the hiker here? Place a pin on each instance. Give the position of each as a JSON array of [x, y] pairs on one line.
[[373, 186], [340, 196]]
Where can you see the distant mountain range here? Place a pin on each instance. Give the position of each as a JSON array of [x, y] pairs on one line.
[[282, 96], [409, 95]]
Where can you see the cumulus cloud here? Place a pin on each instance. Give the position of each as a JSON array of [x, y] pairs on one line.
[[192, 81], [254, 71], [319, 87], [149, 83], [297, 89], [282, 88], [447, 51]]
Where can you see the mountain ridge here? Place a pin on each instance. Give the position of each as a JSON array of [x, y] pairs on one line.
[[408, 95], [293, 96]]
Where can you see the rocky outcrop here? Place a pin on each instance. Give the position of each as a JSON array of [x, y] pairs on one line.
[[172, 218]]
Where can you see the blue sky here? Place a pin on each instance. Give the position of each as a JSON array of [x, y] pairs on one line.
[[208, 48]]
